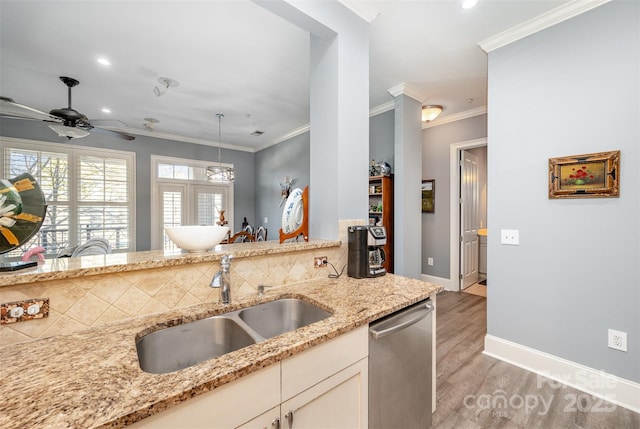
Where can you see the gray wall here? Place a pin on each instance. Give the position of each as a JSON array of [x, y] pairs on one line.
[[436, 226], [570, 89], [144, 147], [381, 137], [289, 158]]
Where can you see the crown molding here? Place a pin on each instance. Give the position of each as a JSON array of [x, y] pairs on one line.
[[408, 90], [174, 137], [539, 23], [456, 117], [374, 111]]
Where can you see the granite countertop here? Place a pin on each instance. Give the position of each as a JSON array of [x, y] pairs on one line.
[[64, 268], [92, 378]]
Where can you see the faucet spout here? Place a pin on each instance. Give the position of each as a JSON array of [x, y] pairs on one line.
[[222, 280]]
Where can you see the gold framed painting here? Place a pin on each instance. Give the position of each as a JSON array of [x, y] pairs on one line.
[[593, 175]]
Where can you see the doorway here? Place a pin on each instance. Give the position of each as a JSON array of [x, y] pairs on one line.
[[467, 219]]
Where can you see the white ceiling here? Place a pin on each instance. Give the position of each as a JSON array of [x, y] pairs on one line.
[[235, 58]]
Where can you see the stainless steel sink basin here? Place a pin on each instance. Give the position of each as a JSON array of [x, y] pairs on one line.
[[182, 346], [185, 345], [284, 315]]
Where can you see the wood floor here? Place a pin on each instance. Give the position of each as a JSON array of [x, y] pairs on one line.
[[478, 391]]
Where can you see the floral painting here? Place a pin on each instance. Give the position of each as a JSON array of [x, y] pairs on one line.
[[585, 176]]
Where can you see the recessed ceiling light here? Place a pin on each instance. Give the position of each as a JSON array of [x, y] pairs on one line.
[[104, 61], [468, 4], [106, 110]]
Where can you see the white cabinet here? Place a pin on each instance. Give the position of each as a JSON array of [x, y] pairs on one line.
[[325, 386], [225, 407], [340, 401]]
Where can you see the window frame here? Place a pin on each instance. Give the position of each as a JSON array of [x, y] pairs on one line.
[[74, 152], [189, 184]]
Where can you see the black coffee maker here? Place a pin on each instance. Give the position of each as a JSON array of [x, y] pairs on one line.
[[365, 253]]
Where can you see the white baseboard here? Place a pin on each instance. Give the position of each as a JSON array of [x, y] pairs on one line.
[[616, 390], [438, 280]]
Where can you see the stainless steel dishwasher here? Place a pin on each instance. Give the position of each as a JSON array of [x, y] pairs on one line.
[[400, 357]]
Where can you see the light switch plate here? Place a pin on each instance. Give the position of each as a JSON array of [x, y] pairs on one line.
[[510, 236]]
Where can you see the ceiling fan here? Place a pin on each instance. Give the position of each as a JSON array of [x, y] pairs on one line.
[[66, 121]]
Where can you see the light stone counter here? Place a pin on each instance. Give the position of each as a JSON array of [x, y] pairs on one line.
[[64, 268], [92, 378]]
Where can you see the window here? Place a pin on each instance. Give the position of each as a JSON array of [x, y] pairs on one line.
[[183, 196], [88, 192]]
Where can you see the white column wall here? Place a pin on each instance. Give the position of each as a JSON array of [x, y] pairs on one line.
[[339, 114], [407, 187]]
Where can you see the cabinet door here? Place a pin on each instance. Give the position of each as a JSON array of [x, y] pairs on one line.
[[340, 401], [269, 420]]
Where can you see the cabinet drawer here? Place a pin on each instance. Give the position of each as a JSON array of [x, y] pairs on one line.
[[315, 365]]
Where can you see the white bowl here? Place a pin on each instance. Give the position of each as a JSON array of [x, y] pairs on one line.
[[197, 238]]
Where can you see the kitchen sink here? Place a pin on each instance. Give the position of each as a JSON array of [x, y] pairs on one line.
[[284, 315], [185, 345], [188, 344]]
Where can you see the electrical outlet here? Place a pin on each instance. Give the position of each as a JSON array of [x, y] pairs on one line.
[[618, 340], [320, 261], [510, 236], [429, 261], [20, 311]]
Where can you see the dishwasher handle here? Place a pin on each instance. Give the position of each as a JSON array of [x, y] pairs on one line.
[[418, 313]]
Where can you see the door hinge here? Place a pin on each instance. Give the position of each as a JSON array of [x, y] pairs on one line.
[[461, 239], [460, 276], [460, 201]]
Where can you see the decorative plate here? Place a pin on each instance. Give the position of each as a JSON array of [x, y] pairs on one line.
[[22, 211], [292, 214]]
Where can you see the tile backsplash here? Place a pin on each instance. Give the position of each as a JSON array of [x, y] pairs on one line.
[[80, 303]]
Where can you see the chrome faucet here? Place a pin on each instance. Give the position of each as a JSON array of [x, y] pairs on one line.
[[222, 279]]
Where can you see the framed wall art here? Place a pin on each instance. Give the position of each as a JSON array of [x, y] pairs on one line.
[[593, 175], [428, 196]]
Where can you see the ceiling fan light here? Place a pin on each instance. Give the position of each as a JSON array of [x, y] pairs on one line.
[[69, 132], [429, 113]]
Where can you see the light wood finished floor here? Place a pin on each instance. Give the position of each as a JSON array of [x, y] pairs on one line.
[[472, 387]]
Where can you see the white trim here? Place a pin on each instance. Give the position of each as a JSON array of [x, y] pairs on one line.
[[408, 90], [174, 137], [539, 23], [455, 117], [438, 280], [298, 131], [377, 110], [616, 390], [454, 214]]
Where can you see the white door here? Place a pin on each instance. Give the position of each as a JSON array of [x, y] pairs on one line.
[[206, 203], [469, 202], [189, 204]]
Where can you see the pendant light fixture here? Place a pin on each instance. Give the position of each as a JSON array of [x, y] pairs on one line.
[[217, 173]]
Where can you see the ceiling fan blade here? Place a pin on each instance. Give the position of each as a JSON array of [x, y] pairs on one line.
[[11, 109], [111, 133]]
